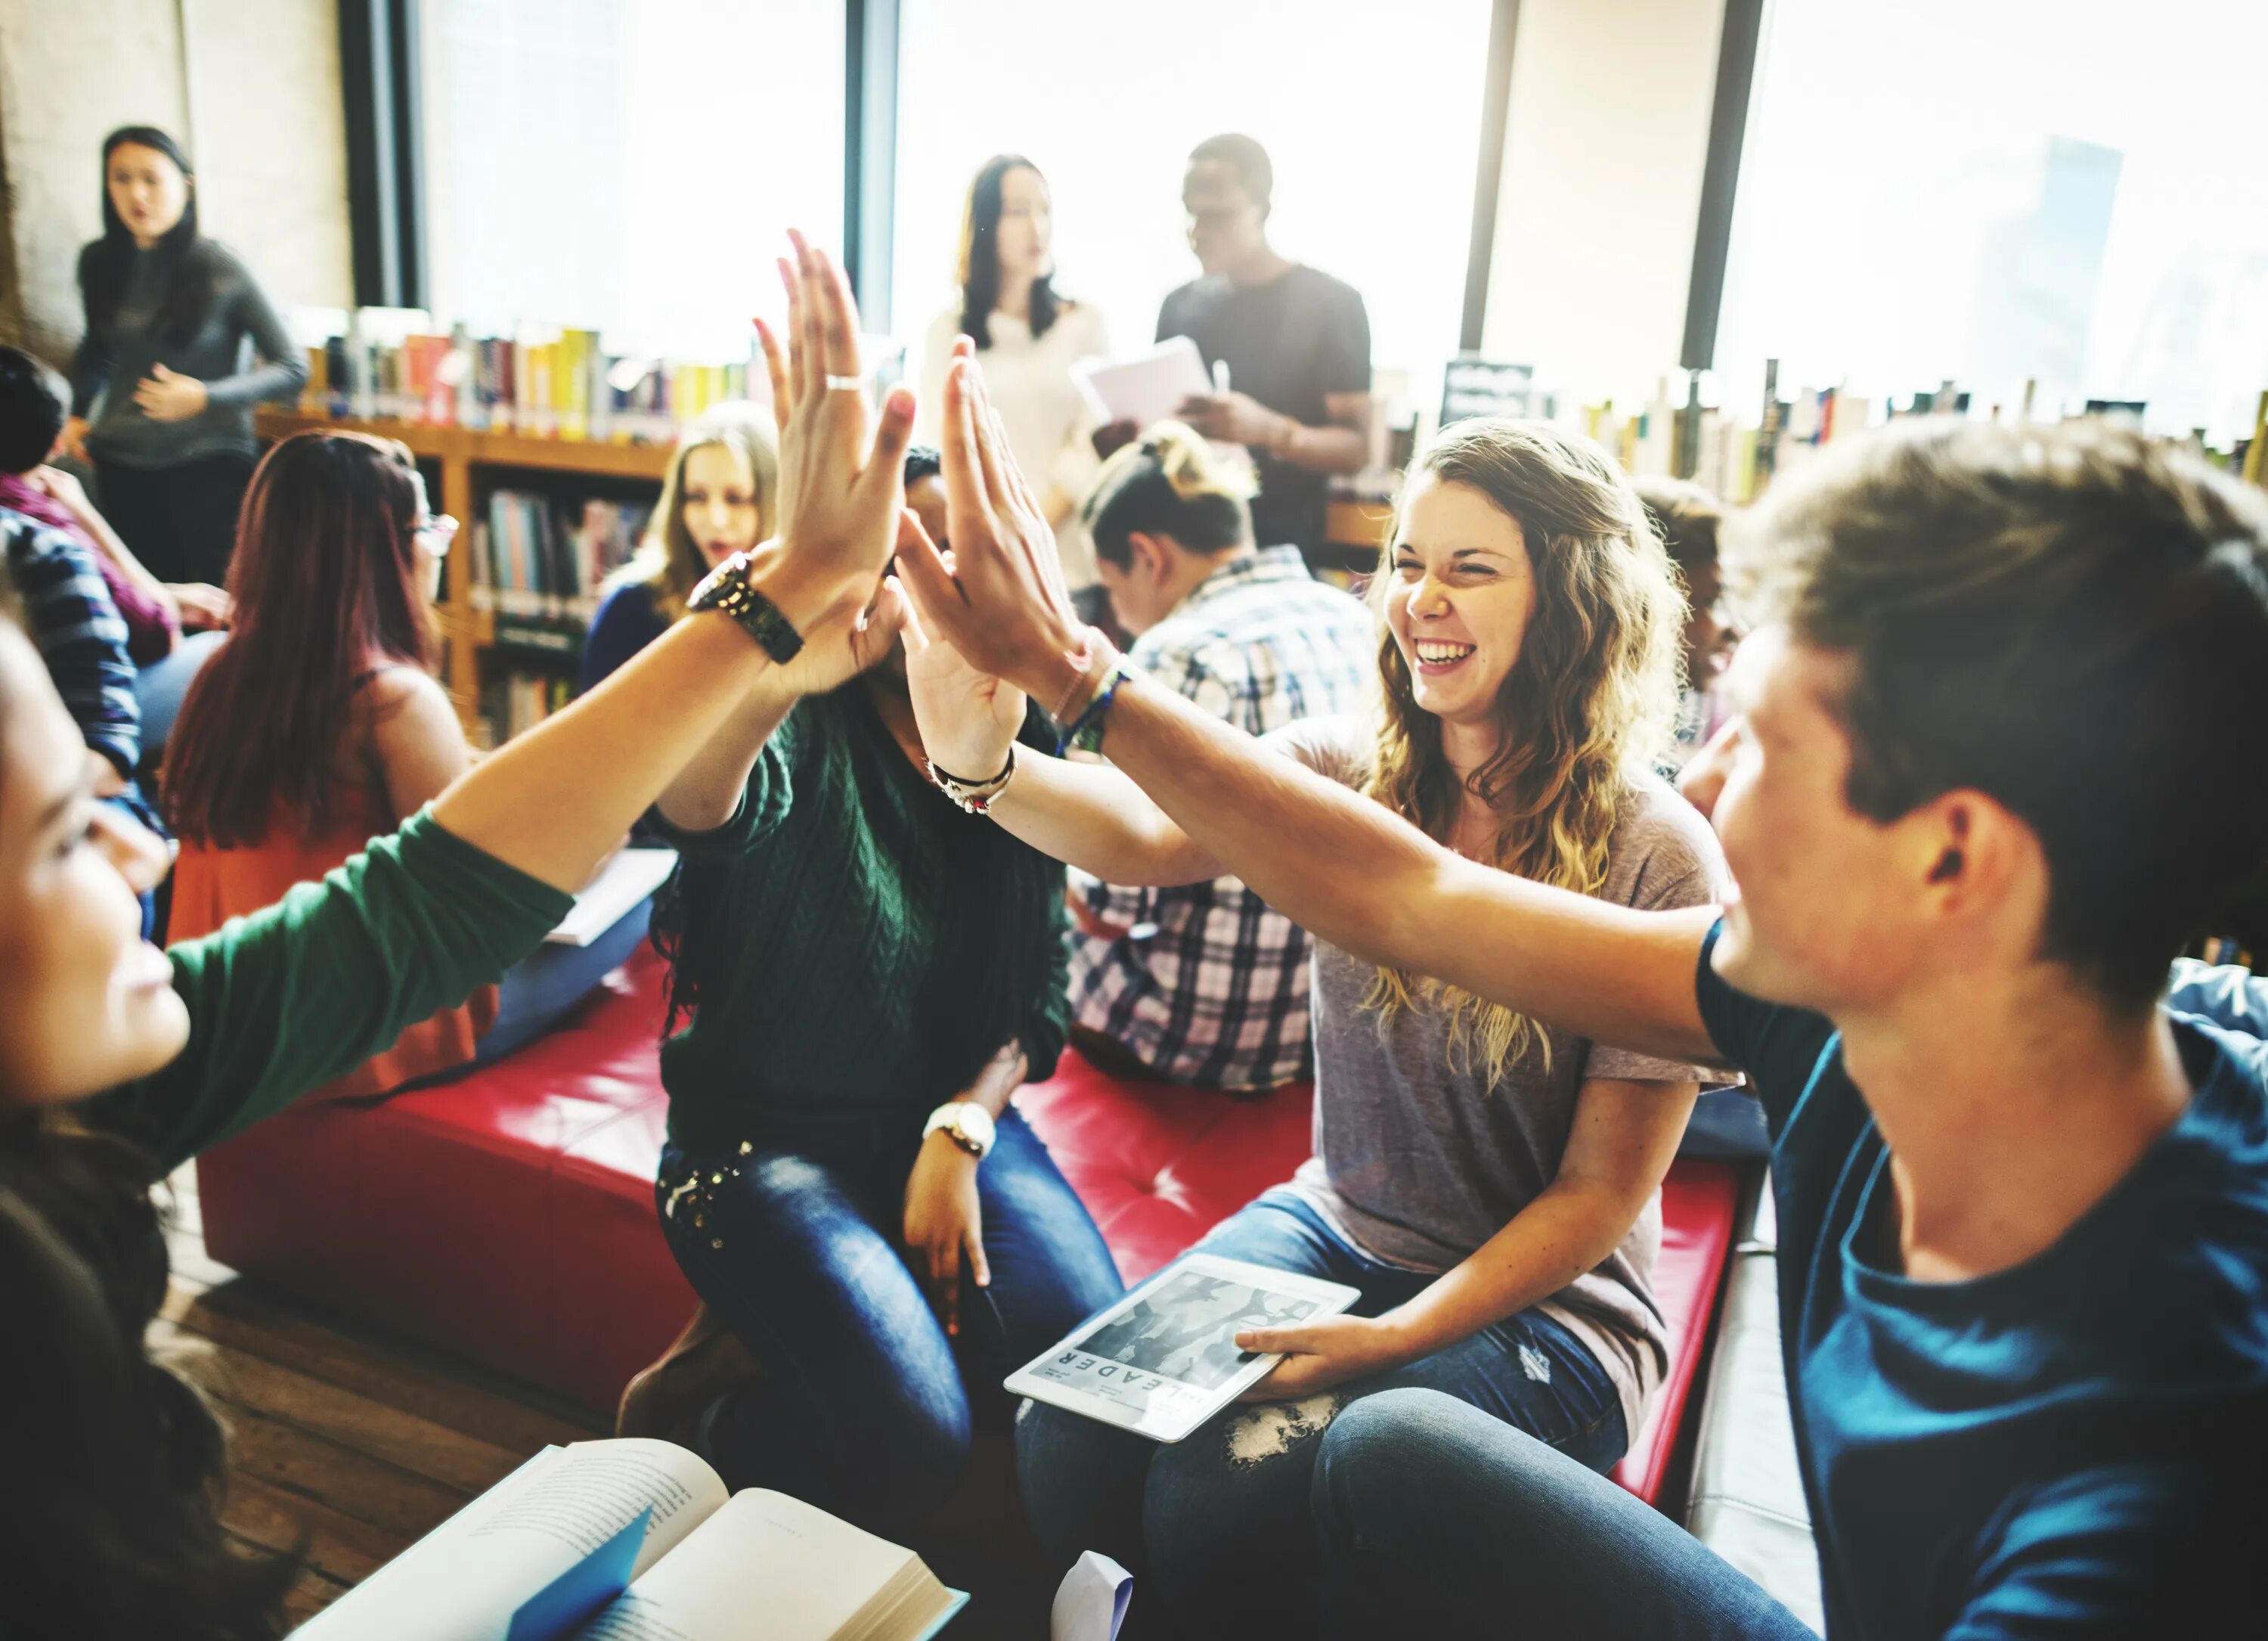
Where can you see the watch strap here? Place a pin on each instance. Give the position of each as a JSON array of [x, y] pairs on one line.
[[730, 588]]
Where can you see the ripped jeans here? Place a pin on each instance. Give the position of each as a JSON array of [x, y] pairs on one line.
[[1218, 1528]]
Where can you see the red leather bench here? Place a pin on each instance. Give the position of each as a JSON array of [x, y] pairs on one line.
[[509, 1215]]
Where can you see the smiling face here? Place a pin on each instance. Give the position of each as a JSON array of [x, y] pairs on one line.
[[89, 1004], [718, 502], [147, 191], [1458, 597]]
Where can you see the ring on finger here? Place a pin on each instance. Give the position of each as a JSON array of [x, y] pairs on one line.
[[846, 384]]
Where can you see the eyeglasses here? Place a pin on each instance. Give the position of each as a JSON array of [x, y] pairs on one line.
[[437, 532]]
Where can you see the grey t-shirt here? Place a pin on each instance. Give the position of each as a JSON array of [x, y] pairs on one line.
[[1418, 1162], [238, 324]]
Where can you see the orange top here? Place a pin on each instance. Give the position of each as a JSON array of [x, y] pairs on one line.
[[211, 885]]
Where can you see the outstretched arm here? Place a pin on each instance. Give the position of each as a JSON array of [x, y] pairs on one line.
[[1337, 864]]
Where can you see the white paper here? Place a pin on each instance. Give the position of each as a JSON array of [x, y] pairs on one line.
[[1147, 388], [1091, 1602], [464, 1581], [624, 881]]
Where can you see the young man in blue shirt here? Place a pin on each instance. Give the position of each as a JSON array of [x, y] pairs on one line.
[[2004, 748]]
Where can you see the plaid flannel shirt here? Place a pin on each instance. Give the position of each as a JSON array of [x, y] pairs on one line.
[[79, 633], [1207, 986]]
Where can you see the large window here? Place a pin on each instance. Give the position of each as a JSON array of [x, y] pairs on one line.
[[1370, 116], [627, 165], [2068, 191]]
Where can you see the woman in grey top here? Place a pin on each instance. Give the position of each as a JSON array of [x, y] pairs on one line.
[[171, 317], [1489, 1186]]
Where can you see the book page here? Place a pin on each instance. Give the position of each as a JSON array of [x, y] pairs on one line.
[[628, 878], [468, 1578], [806, 1573]]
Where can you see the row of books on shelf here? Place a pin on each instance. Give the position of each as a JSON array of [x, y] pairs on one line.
[[515, 699], [1736, 456], [541, 557], [555, 384]]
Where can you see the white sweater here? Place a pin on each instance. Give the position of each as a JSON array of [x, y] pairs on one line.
[[1048, 421]]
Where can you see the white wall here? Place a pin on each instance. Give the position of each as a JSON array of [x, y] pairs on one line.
[[1604, 148], [254, 97]]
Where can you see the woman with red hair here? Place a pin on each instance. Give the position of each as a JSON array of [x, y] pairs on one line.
[[320, 726]]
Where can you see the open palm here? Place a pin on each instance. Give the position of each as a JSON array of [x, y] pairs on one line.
[[968, 717]]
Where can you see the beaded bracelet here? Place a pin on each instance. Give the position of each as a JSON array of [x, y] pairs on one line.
[[1085, 733]]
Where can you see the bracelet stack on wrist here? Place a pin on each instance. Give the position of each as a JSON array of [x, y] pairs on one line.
[[1078, 714], [974, 796]]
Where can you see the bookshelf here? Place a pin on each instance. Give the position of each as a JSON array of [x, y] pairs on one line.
[[473, 464]]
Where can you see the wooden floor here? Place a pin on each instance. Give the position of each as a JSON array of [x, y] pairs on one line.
[[344, 1437]]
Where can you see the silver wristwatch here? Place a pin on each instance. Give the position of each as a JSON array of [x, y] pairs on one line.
[[968, 1123]]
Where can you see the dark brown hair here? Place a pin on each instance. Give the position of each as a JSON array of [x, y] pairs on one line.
[[2073, 621], [105, 265], [1688, 518], [325, 579], [979, 267], [110, 1522]]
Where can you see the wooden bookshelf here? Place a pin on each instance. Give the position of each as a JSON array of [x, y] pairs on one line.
[[472, 464]]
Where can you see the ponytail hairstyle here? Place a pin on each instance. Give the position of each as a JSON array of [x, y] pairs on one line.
[[978, 269], [1167, 482], [107, 265], [1592, 695]]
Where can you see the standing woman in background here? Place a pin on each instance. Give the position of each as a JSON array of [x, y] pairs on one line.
[[1027, 338], [169, 315]]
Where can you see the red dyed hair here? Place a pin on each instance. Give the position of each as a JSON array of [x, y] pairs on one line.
[[326, 584]]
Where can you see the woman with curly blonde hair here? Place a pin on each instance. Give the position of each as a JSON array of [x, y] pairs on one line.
[[1489, 1185]]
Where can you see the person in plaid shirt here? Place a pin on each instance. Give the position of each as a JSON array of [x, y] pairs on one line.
[[1204, 984]]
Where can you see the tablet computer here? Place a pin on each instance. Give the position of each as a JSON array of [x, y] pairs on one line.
[[1164, 1359]]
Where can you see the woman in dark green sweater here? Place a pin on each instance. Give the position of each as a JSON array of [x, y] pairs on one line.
[[117, 1061], [870, 973]]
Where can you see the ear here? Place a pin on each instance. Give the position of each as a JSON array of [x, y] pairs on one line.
[[1153, 559], [1979, 854]]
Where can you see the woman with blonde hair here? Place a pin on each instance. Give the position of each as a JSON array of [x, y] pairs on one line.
[[719, 496], [1028, 338], [1489, 1183]]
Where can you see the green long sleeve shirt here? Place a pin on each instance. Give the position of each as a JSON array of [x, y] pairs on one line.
[[303, 991], [855, 947]]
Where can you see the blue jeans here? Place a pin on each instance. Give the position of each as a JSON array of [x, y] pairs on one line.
[[1219, 1522], [1435, 1519], [865, 1407], [544, 987]]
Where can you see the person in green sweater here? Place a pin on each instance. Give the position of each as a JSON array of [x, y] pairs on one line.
[[877, 1236], [118, 1059]]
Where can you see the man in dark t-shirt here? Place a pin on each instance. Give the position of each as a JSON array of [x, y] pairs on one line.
[[1295, 341]]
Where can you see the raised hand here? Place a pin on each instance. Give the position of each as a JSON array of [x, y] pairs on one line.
[[967, 719], [842, 477], [1000, 602]]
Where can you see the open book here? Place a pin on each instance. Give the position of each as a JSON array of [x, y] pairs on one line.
[[636, 1541]]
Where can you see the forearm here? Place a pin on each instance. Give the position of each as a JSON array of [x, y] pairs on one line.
[[1002, 1077], [1329, 449], [554, 801], [279, 379], [708, 790], [1353, 873], [1092, 816], [1569, 1229]]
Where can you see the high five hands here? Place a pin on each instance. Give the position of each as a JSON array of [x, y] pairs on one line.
[[998, 598], [841, 472]]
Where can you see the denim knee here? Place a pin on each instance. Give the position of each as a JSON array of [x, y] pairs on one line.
[[1233, 1500], [1081, 1481], [1378, 1465]]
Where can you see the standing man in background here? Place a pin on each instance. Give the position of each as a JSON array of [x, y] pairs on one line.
[[1296, 342]]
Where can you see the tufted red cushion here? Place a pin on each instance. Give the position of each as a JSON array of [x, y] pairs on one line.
[[509, 1215]]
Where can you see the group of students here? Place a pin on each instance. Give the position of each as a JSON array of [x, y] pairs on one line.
[[2000, 747]]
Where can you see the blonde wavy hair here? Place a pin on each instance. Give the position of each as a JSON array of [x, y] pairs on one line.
[[668, 559], [1593, 694]]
